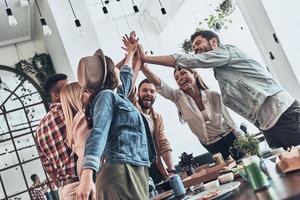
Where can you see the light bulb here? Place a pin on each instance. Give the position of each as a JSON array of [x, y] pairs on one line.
[[24, 3], [46, 29], [80, 29], [11, 19]]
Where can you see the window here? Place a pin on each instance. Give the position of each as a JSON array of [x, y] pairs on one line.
[[21, 108]]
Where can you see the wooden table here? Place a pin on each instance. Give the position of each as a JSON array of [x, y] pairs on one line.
[[283, 186]]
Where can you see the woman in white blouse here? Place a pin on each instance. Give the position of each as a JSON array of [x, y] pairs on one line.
[[201, 108]]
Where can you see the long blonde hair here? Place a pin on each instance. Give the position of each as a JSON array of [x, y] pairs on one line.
[[71, 102]]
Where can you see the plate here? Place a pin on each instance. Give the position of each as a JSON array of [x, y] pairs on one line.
[[224, 190]]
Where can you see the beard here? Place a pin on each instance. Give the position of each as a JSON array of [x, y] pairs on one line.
[[207, 48], [145, 104]]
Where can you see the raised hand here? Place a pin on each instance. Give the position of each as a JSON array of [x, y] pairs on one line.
[[129, 47], [132, 36], [141, 52], [136, 63]]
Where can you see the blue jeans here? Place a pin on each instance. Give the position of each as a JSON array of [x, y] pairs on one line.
[[286, 131]]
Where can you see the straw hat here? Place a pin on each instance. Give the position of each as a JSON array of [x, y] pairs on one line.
[[92, 70]]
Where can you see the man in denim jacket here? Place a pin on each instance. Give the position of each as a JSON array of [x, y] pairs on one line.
[[247, 87]]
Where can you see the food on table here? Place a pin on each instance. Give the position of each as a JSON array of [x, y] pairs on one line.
[[210, 195]]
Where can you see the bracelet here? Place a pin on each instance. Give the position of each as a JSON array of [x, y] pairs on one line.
[[173, 171]]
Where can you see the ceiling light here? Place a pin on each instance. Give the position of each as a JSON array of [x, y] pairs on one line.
[[24, 3], [104, 9], [162, 9], [80, 30], [11, 18], [135, 8], [46, 29]]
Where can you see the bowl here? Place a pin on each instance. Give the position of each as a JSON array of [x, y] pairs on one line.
[[211, 184], [226, 178]]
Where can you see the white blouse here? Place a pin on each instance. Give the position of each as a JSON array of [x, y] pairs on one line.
[[207, 127]]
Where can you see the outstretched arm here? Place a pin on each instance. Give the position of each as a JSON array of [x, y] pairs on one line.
[[162, 88], [158, 60], [150, 75], [167, 60]]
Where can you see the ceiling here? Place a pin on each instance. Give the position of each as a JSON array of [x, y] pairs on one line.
[[117, 9], [23, 30]]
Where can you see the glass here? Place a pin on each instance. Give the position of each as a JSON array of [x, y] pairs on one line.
[[177, 186], [255, 175], [13, 181], [218, 158]]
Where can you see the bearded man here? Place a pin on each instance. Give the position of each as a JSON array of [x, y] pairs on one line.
[[146, 95]]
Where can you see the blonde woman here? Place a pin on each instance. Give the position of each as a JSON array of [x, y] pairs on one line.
[[73, 99]]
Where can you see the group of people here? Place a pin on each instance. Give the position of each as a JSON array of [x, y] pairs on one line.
[[101, 138]]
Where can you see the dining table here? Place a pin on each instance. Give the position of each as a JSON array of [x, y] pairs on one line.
[[282, 185]]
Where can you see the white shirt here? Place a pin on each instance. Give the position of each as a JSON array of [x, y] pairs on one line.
[[150, 122], [272, 109], [208, 131]]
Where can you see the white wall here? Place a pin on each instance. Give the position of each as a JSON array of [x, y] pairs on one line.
[[65, 46], [286, 27], [8, 54], [262, 29]]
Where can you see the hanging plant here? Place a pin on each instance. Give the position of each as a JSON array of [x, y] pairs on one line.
[[227, 7], [39, 67], [216, 21], [187, 46]]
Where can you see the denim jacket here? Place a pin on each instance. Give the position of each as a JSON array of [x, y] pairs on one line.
[[118, 131], [245, 84]]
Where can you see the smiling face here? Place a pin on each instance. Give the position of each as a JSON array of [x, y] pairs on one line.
[[184, 79], [201, 44], [146, 95]]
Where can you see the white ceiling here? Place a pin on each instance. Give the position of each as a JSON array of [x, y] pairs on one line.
[[21, 32]]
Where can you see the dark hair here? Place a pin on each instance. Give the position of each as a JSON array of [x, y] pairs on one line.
[[144, 81], [111, 82], [52, 80], [208, 35], [33, 177], [199, 82]]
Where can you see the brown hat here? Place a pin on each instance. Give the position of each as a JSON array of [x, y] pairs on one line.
[[92, 70]]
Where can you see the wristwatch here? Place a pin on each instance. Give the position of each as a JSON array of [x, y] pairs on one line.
[[173, 171]]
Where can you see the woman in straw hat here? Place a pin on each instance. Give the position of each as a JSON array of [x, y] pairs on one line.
[[118, 133]]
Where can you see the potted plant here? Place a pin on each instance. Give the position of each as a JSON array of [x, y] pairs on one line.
[[186, 163], [248, 145], [217, 21]]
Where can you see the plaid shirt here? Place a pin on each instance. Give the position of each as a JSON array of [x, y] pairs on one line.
[[37, 193], [56, 156]]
